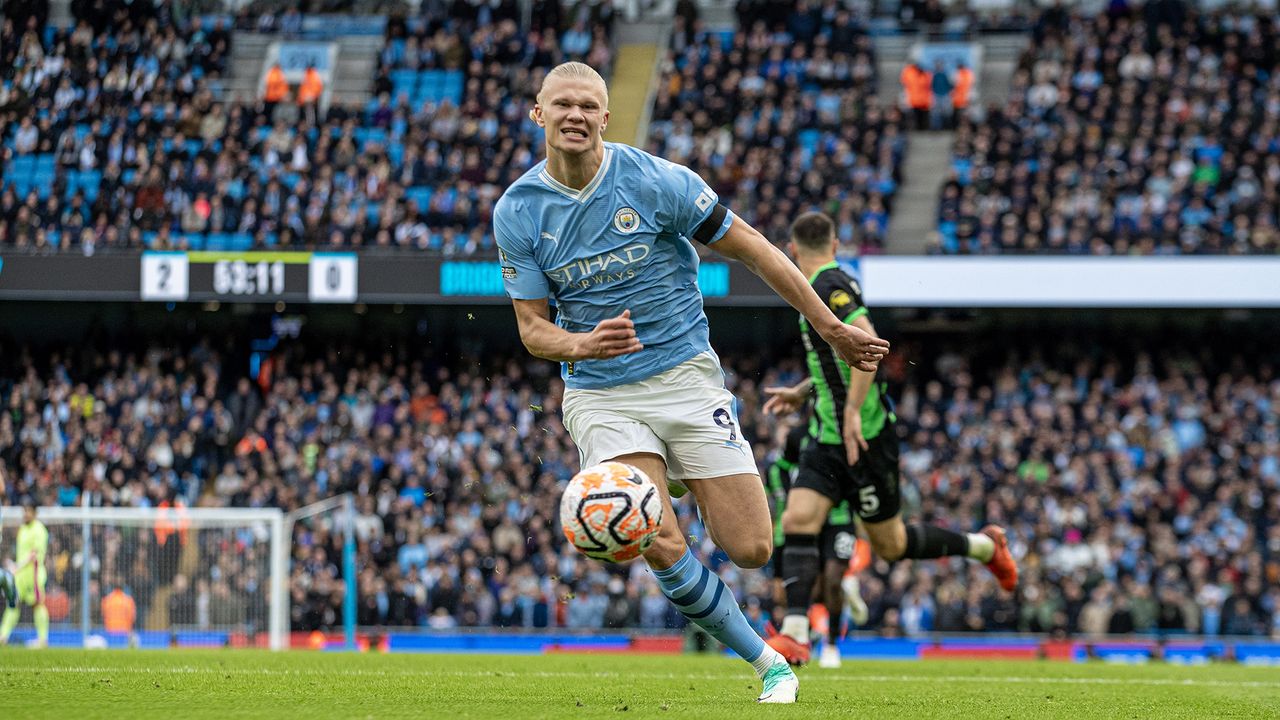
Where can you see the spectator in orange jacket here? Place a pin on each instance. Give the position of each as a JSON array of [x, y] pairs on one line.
[[917, 82], [309, 93], [960, 94], [119, 611], [276, 91]]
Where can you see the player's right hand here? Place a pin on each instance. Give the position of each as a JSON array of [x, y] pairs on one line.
[[854, 442], [610, 338], [857, 347], [783, 400]]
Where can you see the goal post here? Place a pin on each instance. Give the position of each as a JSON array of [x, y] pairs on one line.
[[160, 577], [335, 515]]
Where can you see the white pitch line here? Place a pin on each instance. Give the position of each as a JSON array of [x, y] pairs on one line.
[[807, 677]]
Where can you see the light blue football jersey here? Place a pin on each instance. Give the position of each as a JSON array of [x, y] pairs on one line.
[[622, 242]]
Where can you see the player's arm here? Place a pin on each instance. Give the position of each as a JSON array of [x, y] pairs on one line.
[[852, 344], [528, 289], [543, 338], [859, 386]]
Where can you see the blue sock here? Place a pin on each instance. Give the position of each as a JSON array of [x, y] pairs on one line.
[[701, 596]]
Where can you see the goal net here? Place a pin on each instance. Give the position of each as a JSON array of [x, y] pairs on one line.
[[154, 578]]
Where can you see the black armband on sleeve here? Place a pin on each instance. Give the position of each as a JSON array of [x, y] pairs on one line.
[[707, 230]]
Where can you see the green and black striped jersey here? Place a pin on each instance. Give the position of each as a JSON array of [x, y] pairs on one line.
[[831, 374]]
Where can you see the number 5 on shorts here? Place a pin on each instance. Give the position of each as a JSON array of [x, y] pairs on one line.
[[867, 497]]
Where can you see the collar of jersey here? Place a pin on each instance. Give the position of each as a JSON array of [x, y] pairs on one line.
[[585, 193], [824, 268]]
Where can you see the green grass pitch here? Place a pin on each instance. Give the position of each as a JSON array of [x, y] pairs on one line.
[[179, 684]]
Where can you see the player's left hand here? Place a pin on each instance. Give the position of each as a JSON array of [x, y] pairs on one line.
[[854, 443], [857, 347]]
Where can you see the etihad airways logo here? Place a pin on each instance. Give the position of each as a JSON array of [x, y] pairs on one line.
[[604, 268]]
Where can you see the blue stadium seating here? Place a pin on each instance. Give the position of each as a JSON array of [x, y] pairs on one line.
[[233, 242], [420, 194]]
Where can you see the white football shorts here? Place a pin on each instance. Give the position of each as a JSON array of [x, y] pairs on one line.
[[686, 415]]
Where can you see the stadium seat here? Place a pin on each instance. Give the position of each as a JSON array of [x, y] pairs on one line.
[[403, 80], [43, 178], [453, 86], [22, 165], [421, 194]]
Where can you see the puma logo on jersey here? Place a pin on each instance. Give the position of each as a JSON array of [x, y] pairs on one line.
[[544, 235]]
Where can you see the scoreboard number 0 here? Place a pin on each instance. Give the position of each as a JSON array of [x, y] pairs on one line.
[[333, 278]]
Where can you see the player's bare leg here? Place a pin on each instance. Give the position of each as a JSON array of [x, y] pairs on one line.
[[702, 597], [736, 514]]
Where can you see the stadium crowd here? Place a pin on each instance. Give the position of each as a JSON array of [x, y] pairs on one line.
[[1143, 133], [1141, 489], [1148, 132], [782, 116], [121, 134]]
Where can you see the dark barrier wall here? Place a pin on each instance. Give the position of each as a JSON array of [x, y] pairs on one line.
[[407, 278]]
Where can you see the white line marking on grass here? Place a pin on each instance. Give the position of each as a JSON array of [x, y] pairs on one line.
[[807, 677]]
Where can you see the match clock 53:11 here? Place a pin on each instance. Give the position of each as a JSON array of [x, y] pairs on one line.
[[249, 276]]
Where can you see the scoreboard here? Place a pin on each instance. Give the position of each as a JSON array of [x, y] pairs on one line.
[[249, 276]]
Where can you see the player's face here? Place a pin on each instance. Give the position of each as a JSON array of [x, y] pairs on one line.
[[28, 515], [573, 112]]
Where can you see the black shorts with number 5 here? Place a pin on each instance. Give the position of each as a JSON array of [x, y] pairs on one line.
[[871, 486]]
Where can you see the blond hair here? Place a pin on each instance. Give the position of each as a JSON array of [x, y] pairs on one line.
[[575, 70]]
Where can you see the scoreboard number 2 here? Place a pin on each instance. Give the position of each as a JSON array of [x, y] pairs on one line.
[[165, 276]]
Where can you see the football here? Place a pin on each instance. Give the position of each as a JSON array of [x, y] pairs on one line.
[[611, 512]]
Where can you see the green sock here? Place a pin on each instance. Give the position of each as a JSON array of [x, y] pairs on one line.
[[42, 623], [9, 622]]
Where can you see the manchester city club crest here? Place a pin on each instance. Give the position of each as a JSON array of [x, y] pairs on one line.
[[626, 220]]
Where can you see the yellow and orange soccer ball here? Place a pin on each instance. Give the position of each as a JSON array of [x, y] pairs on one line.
[[611, 512]]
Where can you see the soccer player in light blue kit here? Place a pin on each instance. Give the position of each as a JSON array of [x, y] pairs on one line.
[[608, 231]]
